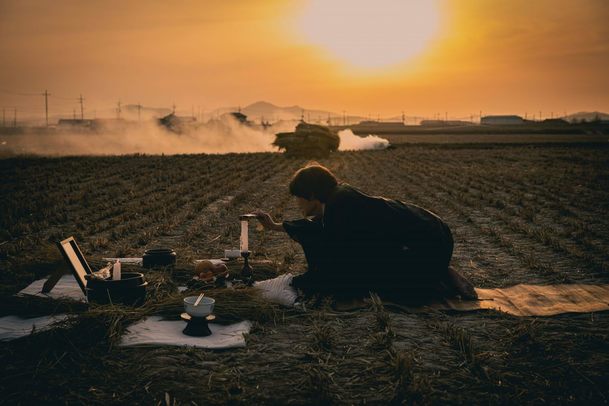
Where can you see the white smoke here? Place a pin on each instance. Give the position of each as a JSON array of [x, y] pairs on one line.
[[224, 135], [219, 136], [352, 142]]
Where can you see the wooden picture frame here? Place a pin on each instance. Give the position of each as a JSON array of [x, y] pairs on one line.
[[76, 261]]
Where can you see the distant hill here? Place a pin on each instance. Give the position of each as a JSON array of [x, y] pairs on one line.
[[587, 115], [271, 112]]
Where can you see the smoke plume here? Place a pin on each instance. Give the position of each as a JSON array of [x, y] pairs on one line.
[[218, 136], [224, 135], [352, 142]]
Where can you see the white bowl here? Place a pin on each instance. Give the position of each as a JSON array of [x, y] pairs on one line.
[[205, 307]]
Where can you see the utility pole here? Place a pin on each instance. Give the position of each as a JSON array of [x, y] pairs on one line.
[[46, 106], [118, 110], [74, 114], [139, 112], [174, 109], [82, 109], [403, 118], [15, 118], [344, 118]]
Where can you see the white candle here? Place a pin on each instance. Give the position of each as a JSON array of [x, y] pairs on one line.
[[244, 232], [116, 271]]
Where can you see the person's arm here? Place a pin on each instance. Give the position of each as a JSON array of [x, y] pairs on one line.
[[267, 221]]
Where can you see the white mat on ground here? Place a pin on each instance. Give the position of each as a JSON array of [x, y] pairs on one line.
[[278, 290], [12, 327], [66, 288], [156, 331], [212, 260], [132, 261]]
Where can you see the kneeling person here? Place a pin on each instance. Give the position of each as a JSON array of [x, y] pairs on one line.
[[355, 243]]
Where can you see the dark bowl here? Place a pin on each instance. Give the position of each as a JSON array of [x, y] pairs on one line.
[[117, 294], [128, 279], [130, 290], [158, 257]]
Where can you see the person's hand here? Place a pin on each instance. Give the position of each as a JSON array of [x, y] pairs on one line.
[[267, 221]]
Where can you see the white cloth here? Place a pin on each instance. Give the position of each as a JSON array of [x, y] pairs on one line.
[[278, 290], [133, 261], [12, 327], [155, 331], [213, 261], [66, 288]]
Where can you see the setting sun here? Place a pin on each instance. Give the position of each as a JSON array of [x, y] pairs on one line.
[[368, 34]]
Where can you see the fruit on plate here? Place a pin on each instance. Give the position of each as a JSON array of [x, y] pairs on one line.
[[207, 270]]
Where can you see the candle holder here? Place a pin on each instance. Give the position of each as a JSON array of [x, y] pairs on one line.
[[247, 271]]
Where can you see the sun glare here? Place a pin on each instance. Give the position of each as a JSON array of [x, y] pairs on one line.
[[370, 34]]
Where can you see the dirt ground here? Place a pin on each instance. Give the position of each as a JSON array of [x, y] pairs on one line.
[[519, 213]]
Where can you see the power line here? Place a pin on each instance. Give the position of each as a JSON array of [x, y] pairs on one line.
[[46, 106], [82, 109], [19, 93]]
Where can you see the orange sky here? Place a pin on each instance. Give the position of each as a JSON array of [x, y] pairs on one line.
[[499, 56]]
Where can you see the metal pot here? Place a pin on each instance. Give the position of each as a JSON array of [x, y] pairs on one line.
[[130, 290], [158, 257]]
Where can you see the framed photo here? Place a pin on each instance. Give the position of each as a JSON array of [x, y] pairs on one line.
[[76, 261]]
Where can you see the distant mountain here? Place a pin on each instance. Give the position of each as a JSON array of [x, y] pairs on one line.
[[271, 112], [587, 115]]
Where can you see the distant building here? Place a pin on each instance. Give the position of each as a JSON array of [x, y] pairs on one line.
[[376, 127], [444, 123], [502, 120], [74, 123], [110, 124], [177, 124], [555, 121], [239, 116]]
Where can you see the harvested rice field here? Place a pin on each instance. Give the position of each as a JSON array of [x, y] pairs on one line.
[[535, 214]]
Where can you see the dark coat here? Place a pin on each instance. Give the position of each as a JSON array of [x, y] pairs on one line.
[[366, 243]]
